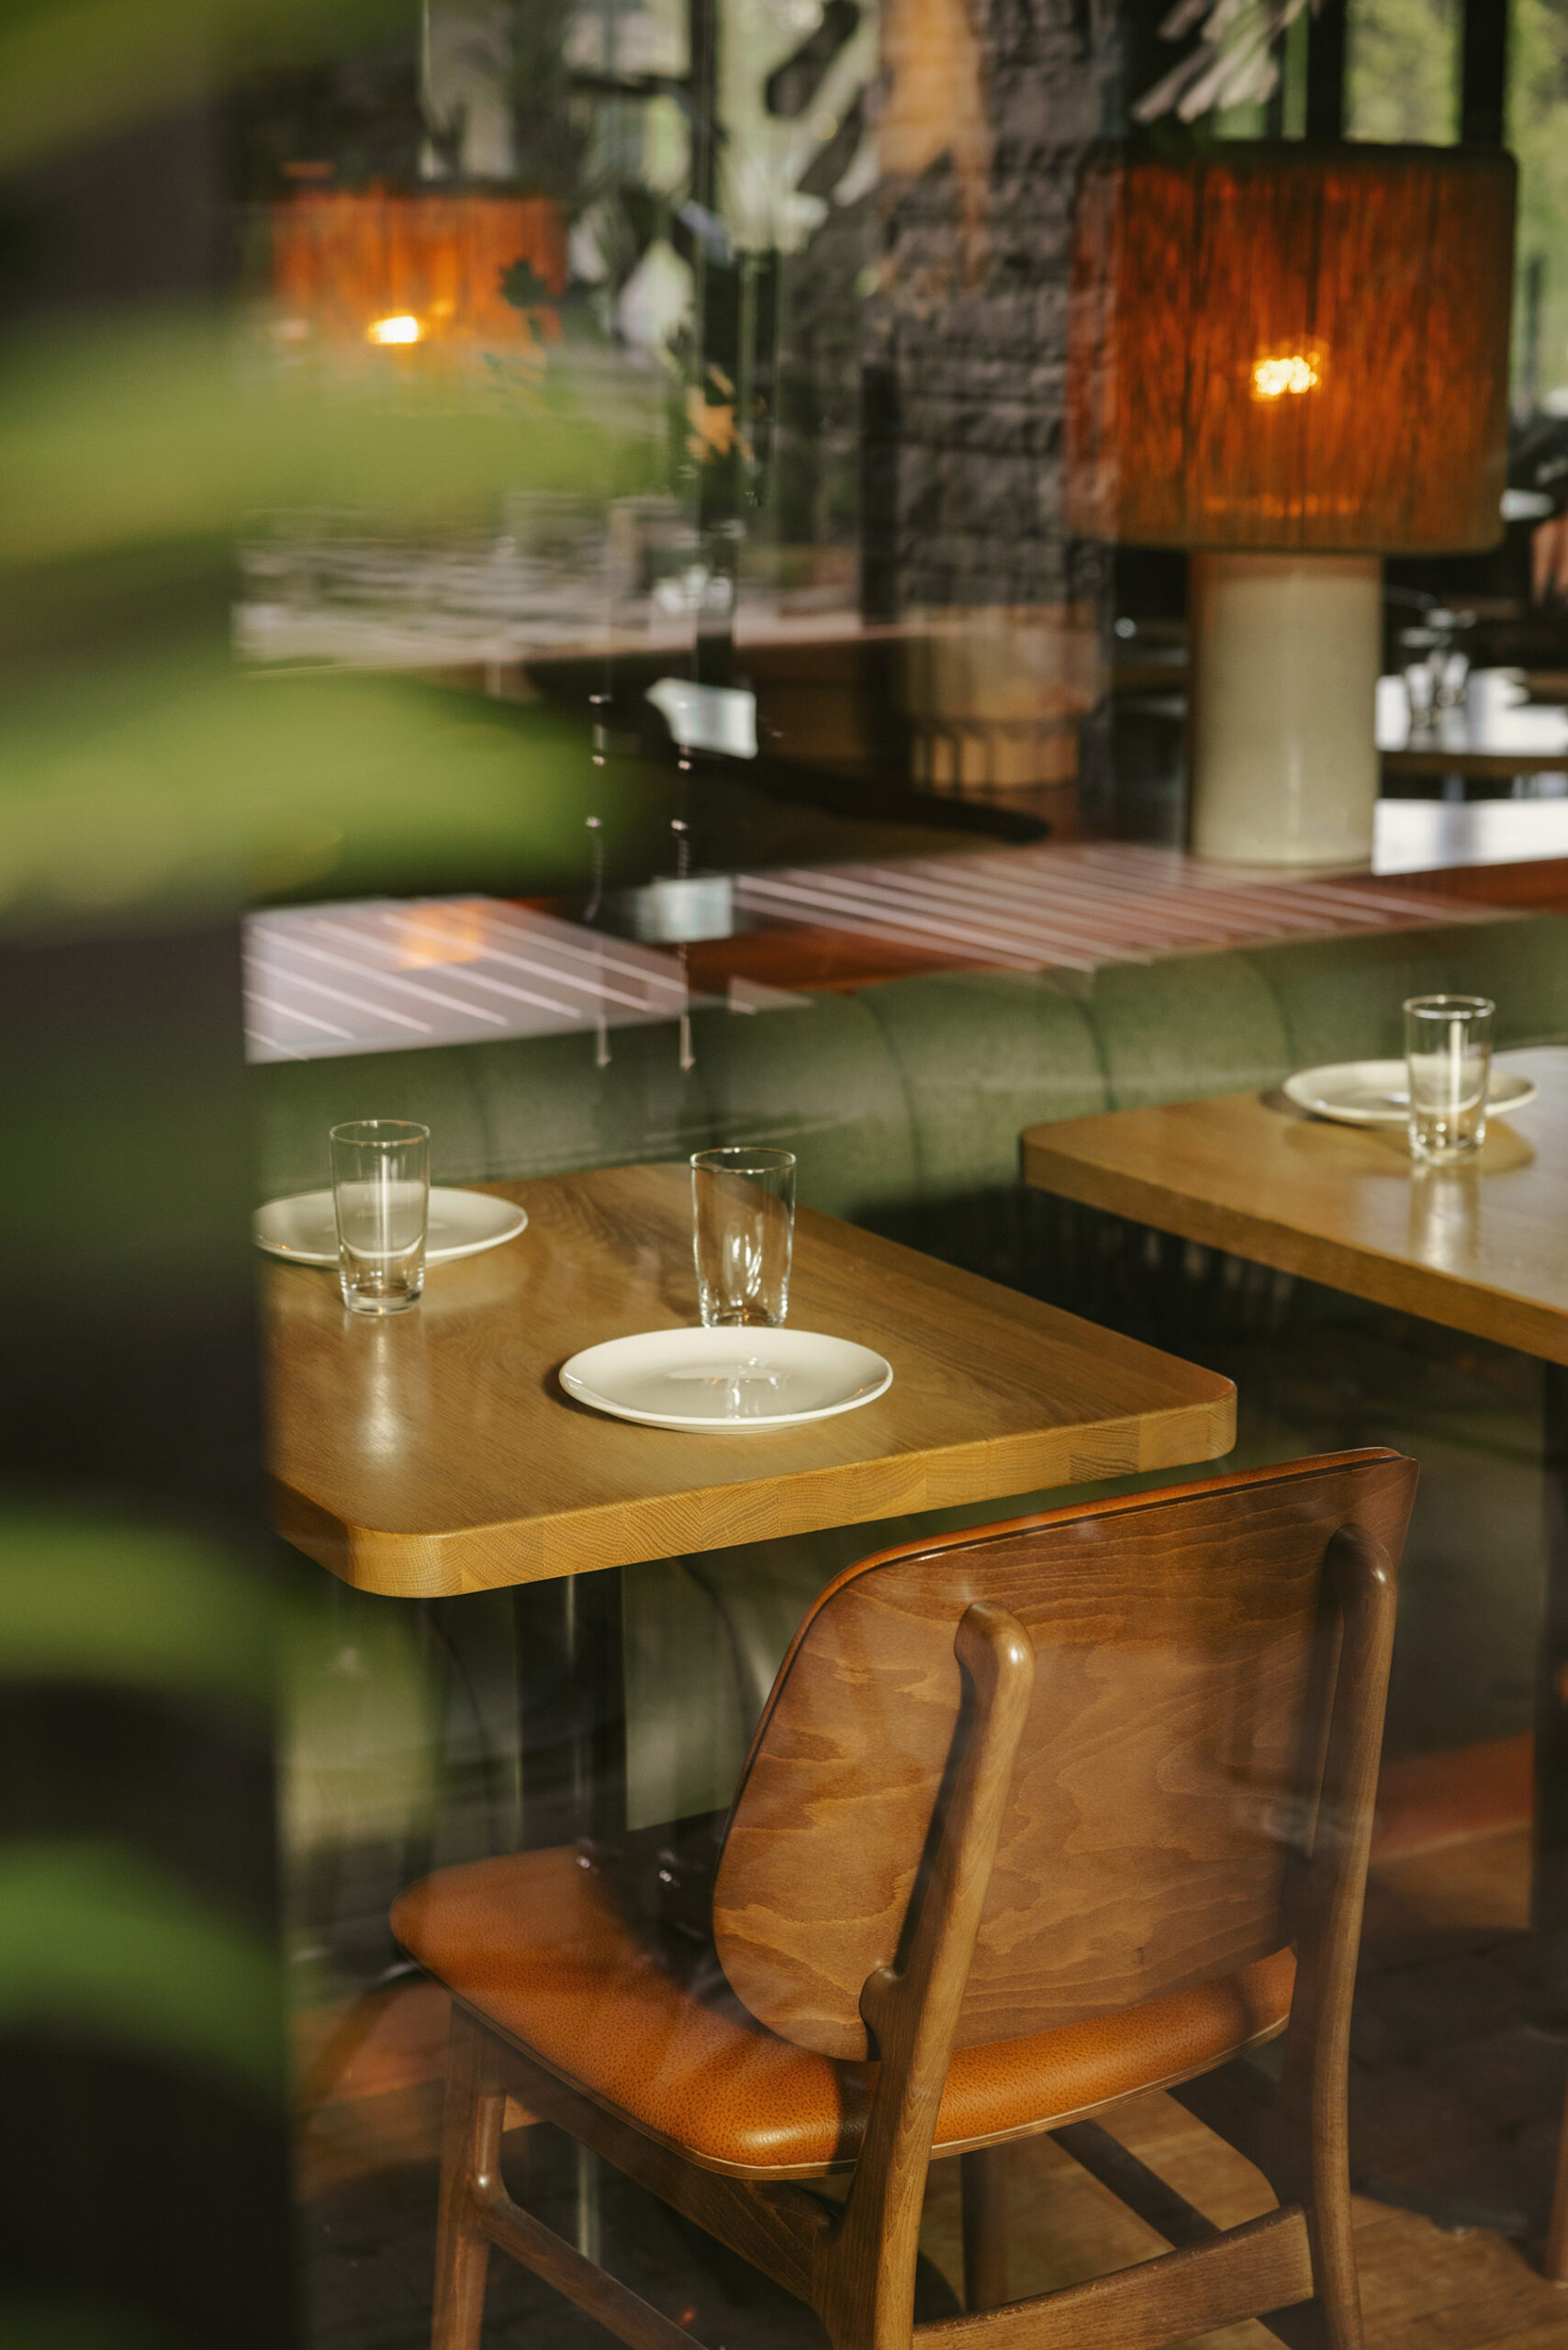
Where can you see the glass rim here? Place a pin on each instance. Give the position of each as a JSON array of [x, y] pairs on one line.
[[1451, 1004], [743, 1159], [379, 1134]]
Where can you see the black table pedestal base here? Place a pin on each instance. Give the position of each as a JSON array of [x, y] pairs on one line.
[[572, 1709], [572, 1727]]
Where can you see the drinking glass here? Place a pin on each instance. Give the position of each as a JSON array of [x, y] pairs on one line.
[[742, 1218], [1419, 648], [1451, 662], [1455, 679], [1448, 1045], [381, 1182]]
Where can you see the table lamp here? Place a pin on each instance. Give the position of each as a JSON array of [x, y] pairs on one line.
[[1292, 361]]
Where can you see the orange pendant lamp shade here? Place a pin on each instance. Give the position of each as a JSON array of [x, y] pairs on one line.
[[1289, 347], [394, 271]]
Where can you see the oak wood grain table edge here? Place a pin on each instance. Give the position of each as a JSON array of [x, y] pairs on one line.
[[1383, 1279], [411, 1561], [425, 1566]]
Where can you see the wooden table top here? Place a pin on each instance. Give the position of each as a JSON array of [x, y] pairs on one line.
[[1483, 1248], [1494, 766], [435, 1452]]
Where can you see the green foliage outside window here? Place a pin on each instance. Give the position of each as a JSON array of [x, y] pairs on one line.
[[1403, 71], [1538, 133]]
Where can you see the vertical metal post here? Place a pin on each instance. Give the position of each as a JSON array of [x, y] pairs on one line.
[[1534, 291], [721, 288], [1483, 72], [1325, 63], [702, 68]]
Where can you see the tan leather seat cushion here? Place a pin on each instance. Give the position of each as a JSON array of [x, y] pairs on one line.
[[534, 1943]]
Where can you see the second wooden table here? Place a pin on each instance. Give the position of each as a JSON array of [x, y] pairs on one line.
[[1483, 1247]]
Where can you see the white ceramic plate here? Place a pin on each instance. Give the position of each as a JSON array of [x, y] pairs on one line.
[[729, 1380], [305, 1230], [1375, 1093]]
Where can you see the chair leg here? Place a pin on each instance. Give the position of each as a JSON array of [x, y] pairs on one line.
[[1339, 2296], [1554, 2260], [470, 2149], [984, 2192]]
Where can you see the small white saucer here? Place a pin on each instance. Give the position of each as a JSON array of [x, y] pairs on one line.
[[730, 1381], [304, 1229], [1375, 1094]]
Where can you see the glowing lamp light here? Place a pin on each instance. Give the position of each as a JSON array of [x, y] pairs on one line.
[[1290, 360], [420, 274], [1273, 378], [1210, 290]]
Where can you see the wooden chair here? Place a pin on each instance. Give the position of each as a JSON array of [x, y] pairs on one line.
[[1037, 1817], [1554, 2257]]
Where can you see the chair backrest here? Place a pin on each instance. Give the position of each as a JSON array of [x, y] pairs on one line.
[[1184, 1671]]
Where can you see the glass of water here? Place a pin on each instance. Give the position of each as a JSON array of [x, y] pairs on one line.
[[1448, 1047], [381, 1183], [743, 1215]]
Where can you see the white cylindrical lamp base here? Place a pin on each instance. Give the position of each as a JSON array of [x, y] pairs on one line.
[[1285, 653]]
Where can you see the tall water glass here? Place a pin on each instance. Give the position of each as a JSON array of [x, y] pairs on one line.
[[743, 1217], [381, 1183], [1448, 1047]]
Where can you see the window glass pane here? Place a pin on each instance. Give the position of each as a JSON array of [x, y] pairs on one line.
[[768, 531], [1403, 71], [1538, 133]]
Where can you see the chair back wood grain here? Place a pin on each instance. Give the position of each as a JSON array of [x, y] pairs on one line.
[[1166, 1784]]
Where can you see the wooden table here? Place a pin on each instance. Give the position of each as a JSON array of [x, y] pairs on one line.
[[434, 1452], [1482, 1248]]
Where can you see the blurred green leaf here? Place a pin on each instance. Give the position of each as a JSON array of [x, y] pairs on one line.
[[119, 1600], [191, 781], [71, 68], [151, 429], [97, 1941]]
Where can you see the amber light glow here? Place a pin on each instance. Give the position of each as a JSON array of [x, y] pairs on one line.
[[430, 935], [1287, 348], [1273, 378], [394, 271]]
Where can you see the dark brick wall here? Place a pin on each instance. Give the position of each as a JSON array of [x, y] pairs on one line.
[[951, 285]]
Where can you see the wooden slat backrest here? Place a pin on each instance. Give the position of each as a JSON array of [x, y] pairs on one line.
[[1166, 1775]]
